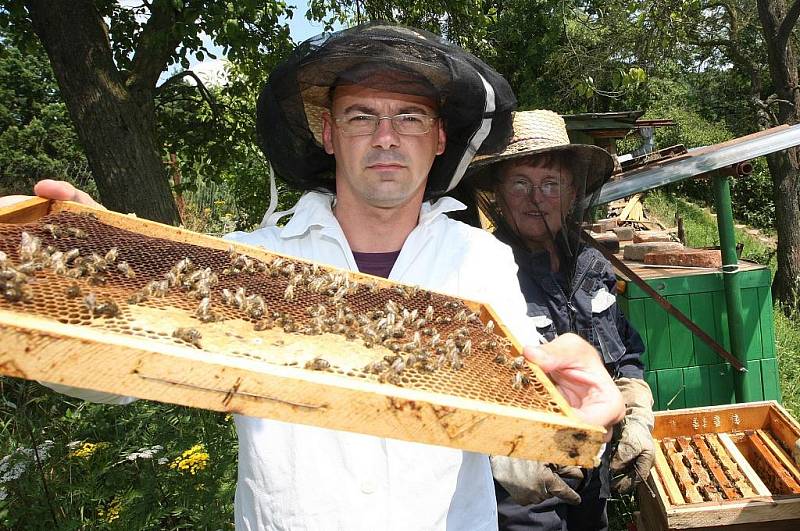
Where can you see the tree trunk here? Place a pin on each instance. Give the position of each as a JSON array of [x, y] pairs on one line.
[[784, 167], [115, 125]]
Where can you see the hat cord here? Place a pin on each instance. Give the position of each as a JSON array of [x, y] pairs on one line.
[[271, 217]]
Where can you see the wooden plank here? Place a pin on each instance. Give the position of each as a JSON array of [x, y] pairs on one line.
[[782, 426], [753, 478], [767, 322], [25, 211], [754, 390], [770, 468], [721, 384], [665, 475], [721, 311], [713, 465], [703, 482], [712, 419], [680, 472], [780, 454], [729, 466], [671, 389], [632, 202], [769, 379], [660, 353], [752, 324]]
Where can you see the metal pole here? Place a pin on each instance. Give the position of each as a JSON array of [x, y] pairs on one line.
[[730, 279]]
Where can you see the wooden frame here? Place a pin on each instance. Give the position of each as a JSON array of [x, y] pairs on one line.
[[37, 348], [662, 504]]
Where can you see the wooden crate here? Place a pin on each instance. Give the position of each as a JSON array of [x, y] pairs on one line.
[[261, 362], [725, 466]]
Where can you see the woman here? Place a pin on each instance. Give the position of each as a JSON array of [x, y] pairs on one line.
[[534, 193]]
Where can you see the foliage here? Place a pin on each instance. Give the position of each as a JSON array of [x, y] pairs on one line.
[[37, 139], [143, 466]]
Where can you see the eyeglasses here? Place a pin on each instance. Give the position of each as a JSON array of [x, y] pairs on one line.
[[524, 188], [404, 124]]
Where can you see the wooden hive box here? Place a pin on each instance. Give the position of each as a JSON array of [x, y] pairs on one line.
[[113, 303], [723, 466]]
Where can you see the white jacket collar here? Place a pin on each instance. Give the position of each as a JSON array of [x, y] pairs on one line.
[[315, 209]]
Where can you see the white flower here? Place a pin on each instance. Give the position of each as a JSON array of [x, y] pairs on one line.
[[3, 494]]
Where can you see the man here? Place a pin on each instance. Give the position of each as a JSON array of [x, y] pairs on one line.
[[533, 193], [376, 119]]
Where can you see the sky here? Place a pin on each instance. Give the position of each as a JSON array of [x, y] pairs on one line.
[[211, 71]]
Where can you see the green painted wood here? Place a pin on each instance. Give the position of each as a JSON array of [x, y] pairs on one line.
[[721, 383], [651, 377], [767, 322], [671, 390], [769, 379], [680, 337], [660, 353], [698, 386], [754, 387], [702, 313], [697, 283], [634, 311], [751, 317], [721, 320]]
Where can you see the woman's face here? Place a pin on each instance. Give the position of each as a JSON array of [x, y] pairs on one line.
[[534, 195]]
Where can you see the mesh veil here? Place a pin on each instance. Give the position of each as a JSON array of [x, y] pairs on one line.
[[475, 102]]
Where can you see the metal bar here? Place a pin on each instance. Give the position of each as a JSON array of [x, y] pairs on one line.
[[712, 158], [664, 303], [730, 280]]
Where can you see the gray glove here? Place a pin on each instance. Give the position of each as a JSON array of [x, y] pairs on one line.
[[533, 482], [635, 451]]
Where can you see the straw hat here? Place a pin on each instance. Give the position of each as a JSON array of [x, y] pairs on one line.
[[545, 131]]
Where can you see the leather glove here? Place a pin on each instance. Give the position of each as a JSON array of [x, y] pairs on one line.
[[635, 451], [531, 482]]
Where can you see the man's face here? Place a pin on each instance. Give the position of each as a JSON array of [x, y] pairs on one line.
[[384, 169], [534, 198]]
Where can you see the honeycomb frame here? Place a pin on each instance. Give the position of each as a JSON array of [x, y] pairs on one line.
[[310, 363]]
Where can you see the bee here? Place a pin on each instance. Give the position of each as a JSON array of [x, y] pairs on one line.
[[392, 307], [90, 302], [376, 367], [340, 293], [239, 298], [184, 264], [429, 312], [97, 279], [57, 263], [77, 233], [256, 306], [372, 286], [473, 318], [318, 364], [30, 247], [107, 308], [289, 326], [466, 349], [126, 269], [410, 291], [289, 293], [518, 362], [190, 335], [71, 255], [489, 328], [520, 380], [263, 324], [227, 297], [350, 334], [73, 290], [3, 258], [501, 359], [490, 344], [54, 230], [17, 292], [443, 319], [137, 297], [111, 255], [461, 315], [204, 312], [434, 340]]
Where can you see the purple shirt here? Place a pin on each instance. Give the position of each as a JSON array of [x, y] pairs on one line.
[[378, 264]]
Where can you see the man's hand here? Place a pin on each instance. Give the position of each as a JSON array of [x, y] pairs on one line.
[[63, 191], [49, 189], [635, 452], [533, 482], [578, 372]]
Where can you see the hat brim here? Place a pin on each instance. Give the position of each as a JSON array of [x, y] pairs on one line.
[[598, 164]]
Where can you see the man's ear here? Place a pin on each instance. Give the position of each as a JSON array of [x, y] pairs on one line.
[[442, 141], [327, 132]]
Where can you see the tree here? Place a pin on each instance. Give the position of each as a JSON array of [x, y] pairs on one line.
[[108, 75], [778, 21]]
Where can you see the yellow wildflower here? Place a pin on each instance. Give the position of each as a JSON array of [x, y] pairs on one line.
[[111, 511], [192, 460], [86, 450]]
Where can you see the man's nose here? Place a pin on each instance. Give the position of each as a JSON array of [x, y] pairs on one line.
[[385, 136]]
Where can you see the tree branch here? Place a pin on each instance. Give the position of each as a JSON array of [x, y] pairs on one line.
[[201, 89], [787, 25], [157, 43]]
